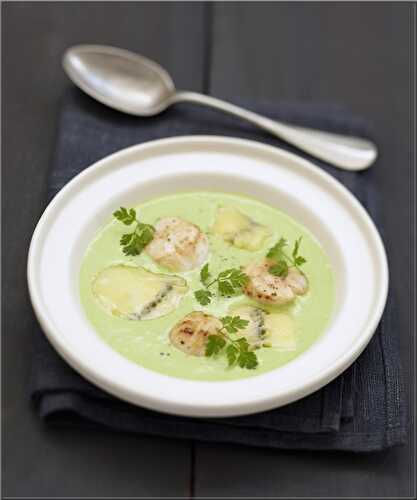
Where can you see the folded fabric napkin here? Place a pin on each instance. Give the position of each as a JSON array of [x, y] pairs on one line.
[[362, 410]]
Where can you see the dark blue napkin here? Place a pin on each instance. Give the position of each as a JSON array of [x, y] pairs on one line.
[[362, 410]]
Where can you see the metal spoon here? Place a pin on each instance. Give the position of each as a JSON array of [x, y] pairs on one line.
[[133, 84]]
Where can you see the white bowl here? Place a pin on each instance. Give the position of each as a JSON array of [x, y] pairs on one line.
[[222, 164]]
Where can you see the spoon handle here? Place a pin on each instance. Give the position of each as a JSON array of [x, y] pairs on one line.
[[346, 152]]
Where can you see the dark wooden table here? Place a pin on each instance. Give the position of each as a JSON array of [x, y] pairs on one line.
[[358, 54]]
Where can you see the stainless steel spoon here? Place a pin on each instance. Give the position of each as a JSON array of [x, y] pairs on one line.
[[133, 84]]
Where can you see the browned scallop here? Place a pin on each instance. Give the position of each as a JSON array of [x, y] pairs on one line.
[[266, 288], [190, 335], [178, 244]]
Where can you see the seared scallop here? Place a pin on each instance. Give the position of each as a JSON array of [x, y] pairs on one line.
[[178, 244], [266, 288], [191, 334], [239, 229], [135, 293], [265, 328]]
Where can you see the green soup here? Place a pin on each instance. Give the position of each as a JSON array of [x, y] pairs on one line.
[[147, 343]]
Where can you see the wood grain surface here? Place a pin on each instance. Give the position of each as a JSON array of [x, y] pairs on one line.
[[358, 54]]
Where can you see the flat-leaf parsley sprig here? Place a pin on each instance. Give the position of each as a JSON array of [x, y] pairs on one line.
[[228, 283], [281, 259], [133, 243], [237, 350]]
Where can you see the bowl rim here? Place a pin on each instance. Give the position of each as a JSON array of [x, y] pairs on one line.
[[330, 372]]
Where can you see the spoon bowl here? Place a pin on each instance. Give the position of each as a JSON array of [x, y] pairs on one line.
[[120, 79]]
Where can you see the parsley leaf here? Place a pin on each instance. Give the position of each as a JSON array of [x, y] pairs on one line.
[[237, 350], [226, 288], [279, 269], [276, 252], [215, 344], [234, 276], [296, 247], [248, 360], [234, 324], [133, 243], [205, 274], [130, 243], [125, 216], [243, 344], [126, 239], [232, 354], [229, 282], [203, 296], [281, 260], [299, 261]]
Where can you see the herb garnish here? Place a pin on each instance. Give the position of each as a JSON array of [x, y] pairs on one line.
[[228, 283], [133, 243], [237, 350], [281, 258]]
